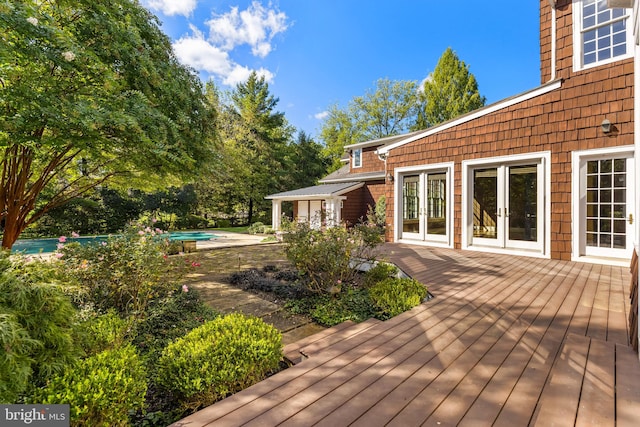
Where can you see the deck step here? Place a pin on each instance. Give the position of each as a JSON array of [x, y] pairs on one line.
[[303, 349], [593, 382]]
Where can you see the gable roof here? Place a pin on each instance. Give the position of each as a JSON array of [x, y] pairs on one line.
[[317, 191]]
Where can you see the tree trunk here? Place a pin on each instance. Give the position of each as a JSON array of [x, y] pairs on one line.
[[12, 227], [250, 214]]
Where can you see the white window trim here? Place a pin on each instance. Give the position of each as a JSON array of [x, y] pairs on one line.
[[467, 220], [449, 167], [353, 158], [576, 158], [577, 40]]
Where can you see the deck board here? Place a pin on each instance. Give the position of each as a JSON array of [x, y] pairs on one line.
[[507, 341]]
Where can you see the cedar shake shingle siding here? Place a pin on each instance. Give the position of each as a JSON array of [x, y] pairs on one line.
[[561, 121]]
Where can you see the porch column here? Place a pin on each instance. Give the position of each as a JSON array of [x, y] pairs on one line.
[[334, 214], [276, 214]]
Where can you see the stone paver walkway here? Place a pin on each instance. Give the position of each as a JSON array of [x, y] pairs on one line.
[[237, 252]]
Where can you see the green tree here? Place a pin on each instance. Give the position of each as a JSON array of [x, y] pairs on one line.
[[338, 130], [449, 91], [390, 109], [261, 138], [308, 164], [90, 91]]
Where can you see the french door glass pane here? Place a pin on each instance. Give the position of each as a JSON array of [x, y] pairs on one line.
[[436, 204], [606, 203], [523, 203], [485, 203], [410, 204]]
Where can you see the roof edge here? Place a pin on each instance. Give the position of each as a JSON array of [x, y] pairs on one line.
[[505, 103], [355, 186], [371, 177]]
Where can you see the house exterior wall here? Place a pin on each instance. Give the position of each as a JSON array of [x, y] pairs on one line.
[[370, 161], [355, 207], [560, 122]]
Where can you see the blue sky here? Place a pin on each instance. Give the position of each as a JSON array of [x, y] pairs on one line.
[[316, 53]]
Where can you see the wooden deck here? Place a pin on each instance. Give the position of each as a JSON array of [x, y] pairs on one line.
[[507, 341]]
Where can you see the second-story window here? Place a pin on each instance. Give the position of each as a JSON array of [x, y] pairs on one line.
[[357, 157], [603, 35]]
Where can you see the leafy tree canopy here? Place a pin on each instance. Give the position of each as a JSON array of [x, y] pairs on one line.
[[90, 91], [388, 110], [450, 91]]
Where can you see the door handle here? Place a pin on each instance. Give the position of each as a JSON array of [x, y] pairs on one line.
[[630, 218]]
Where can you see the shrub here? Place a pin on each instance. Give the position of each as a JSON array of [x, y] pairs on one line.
[[191, 221], [15, 359], [169, 318], [36, 320], [223, 223], [256, 228], [353, 304], [123, 273], [330, 258], [394, 296], [218, 358], [101, 390], [103, 332], [378, 273]]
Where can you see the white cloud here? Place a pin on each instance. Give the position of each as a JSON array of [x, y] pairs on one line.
[[200, 54], [240, 74], [321, 116], [172, 7], [256, 26]]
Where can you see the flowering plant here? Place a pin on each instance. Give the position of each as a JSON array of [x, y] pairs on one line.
[[124, 272]]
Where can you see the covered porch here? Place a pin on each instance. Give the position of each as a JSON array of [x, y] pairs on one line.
[[320, 205]]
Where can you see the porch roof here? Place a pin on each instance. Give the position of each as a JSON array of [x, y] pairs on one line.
[[322, 191]]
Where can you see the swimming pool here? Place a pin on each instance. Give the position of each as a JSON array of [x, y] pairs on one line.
[[36, 246]]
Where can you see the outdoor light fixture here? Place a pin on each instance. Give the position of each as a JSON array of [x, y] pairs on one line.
[[606, 126], [390, 177]]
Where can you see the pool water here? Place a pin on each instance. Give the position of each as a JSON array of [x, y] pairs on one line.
[[36, 246]]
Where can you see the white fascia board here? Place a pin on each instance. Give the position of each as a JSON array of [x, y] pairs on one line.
[[549, 87]]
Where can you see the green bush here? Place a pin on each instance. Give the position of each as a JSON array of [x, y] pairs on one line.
[[330, 258], [124, 273], [36, 320], [352, 304], [169, 318], [15, 359], [101, 390], [378, 273], [394, 296], [103, 332], [218, 358], [256, 228], [223, 223], [191, 221]]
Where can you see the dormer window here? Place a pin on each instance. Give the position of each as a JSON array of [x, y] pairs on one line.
[[356, 157], [601, 35]]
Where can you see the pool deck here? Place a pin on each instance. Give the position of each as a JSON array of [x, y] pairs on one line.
[[228, 239]]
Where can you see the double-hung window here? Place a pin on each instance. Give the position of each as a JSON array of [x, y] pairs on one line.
[[357, 157], [601, 34]]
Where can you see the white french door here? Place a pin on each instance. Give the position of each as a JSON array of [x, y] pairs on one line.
[[425, 206], [607, 200], [507, 205]]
